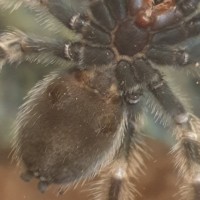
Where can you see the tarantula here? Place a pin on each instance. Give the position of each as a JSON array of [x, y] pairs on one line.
[[83, 119]]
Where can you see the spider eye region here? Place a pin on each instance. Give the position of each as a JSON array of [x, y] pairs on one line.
[[130, 39]]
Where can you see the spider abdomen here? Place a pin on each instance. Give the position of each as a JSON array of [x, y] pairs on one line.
[[71, 129]]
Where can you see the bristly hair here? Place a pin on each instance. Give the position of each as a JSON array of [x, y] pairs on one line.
[[85, 120]]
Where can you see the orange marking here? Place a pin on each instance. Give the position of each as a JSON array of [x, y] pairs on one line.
[[148, 13]]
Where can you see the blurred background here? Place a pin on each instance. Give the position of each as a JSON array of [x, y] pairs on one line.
[[159, 181]]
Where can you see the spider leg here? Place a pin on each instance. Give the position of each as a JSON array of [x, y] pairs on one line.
[[177, 34], [155, 83], [187, 149], [71, 16], [118, 8], [17, 46], [186, 129], [100, 18], [93, 24], [78, 21], [116, 182], [10, 5], [175, 57], [169, 102], [87, 55], [101, 14], [60, 9], [187, 154]]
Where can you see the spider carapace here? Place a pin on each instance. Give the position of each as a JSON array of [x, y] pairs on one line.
[[79, 121]]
